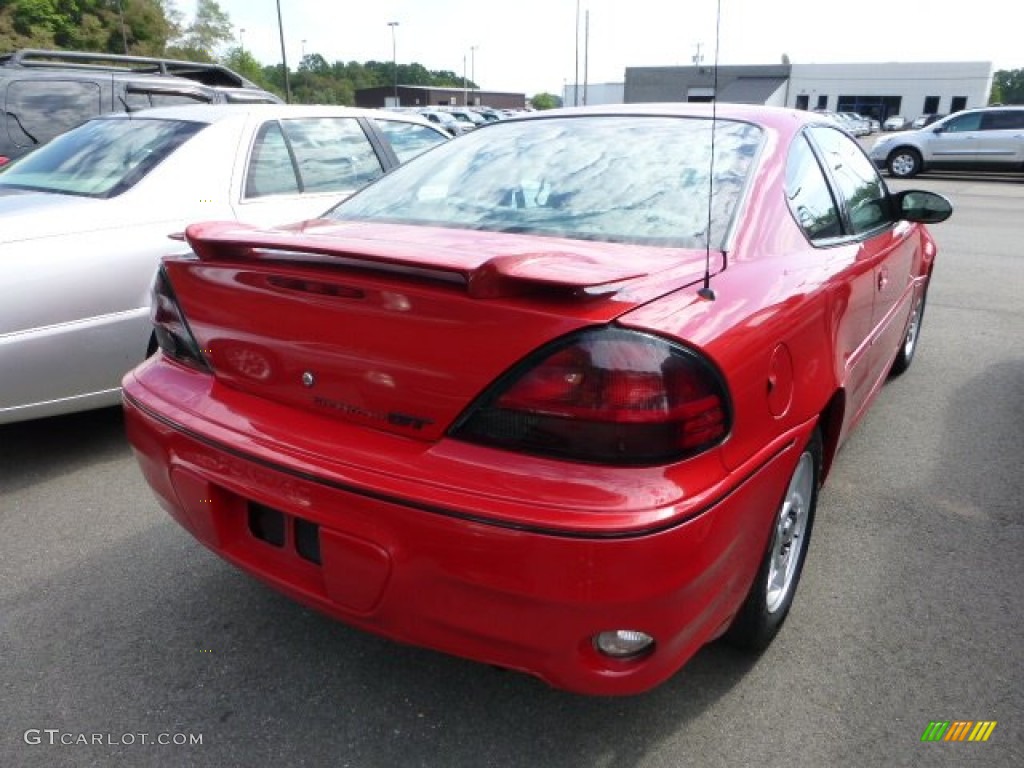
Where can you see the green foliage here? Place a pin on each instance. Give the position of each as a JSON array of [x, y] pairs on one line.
[[209, 31], [1008, 87], [157, 28], [86, 25], [545, 101]]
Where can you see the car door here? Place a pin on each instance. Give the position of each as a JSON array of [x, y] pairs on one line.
[[953, 142], [848, 271], [887, 253], [1001, 138], [297, 168]]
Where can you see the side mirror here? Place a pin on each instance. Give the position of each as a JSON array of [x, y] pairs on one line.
[[923, 207]]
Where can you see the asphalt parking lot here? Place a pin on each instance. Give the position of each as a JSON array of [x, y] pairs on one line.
[[115, 624]]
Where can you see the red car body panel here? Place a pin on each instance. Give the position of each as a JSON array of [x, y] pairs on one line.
[[506, 588], [508, 558]]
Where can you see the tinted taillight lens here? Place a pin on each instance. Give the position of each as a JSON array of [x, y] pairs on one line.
[[171, 329], [608, 395]]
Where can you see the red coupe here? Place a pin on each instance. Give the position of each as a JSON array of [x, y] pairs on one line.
[[557, 396]]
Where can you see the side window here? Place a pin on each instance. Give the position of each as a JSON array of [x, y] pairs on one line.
[[38, 110], [408, 139], [808, 194], [862, 190], [174, 99], [1009, 120], [271, 171], [136, 100], [971, 122], [333, 153]]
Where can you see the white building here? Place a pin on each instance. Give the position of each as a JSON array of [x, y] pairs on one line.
[[593, 94], [882, 90], [879, 90]]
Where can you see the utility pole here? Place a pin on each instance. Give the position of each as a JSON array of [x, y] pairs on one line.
[[586, 57], [576, 77], [394, 58], [284, 57]]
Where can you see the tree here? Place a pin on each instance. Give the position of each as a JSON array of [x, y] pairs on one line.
[[545, 101], [245, 64], [1008, 87], [209, 31], [87, 25]]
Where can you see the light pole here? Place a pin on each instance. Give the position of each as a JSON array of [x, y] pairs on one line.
[[394, 58], [241, 39], [472, 67], [284, 57], [303, 50]]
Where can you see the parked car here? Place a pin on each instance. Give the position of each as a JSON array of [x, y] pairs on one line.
[[85, 219], [446, 121], [45, 93], [557, 396], [465, 116], [857, 125], [984, 139], [894, 123]]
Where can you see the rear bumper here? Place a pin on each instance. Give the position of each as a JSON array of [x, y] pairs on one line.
[[455, 580]]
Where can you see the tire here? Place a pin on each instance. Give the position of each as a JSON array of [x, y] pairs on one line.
[[908, 346], [904, 163], [771, 595]]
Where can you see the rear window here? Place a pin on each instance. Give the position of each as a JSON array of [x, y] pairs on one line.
[[644, 180], [102, 158]]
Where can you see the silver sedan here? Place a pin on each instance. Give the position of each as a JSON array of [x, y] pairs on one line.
[[85, 219]]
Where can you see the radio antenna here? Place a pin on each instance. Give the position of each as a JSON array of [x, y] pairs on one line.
[[706, 292]]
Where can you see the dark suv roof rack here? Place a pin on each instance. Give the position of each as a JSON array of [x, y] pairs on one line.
[[207, 74]]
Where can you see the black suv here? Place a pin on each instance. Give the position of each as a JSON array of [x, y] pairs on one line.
[[44, 93]]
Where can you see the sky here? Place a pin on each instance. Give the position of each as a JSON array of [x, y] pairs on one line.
[[529, 46]]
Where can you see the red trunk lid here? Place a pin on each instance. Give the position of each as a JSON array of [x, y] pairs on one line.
[[399, 327]]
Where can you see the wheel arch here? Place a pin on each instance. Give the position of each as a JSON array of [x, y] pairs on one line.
[[830, 422]]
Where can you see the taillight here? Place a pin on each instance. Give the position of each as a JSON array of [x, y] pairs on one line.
[[170, 327], [608, 395]]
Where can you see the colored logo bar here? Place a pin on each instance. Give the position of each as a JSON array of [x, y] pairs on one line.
[[958, 730]]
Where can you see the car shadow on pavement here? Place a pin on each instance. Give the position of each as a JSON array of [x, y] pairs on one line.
[[32, 452]]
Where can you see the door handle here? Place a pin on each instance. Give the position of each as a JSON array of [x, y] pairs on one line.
[[883, 279]]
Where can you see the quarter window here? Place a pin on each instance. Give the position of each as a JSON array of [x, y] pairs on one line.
[[808, 194], [271, 170]]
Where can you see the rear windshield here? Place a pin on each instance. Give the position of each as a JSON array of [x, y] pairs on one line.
[[101, 158], [636, 179]]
